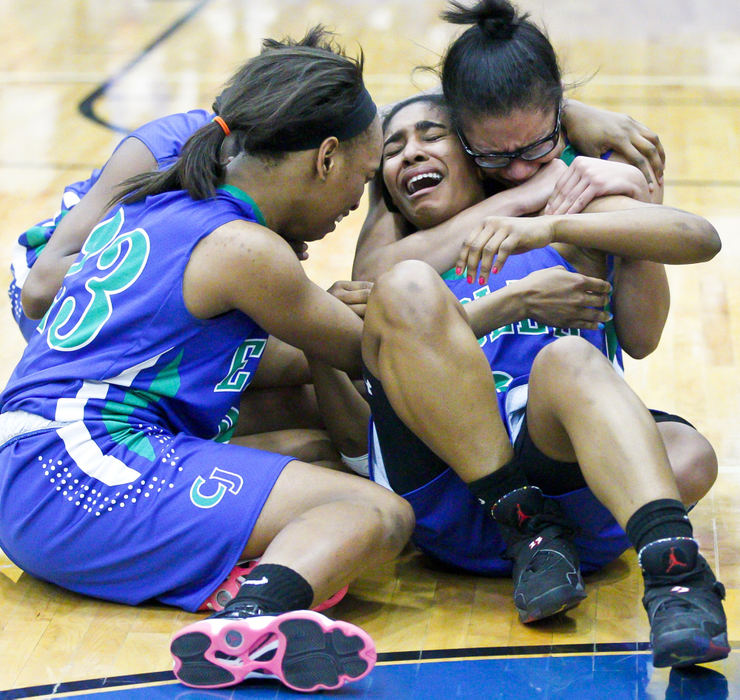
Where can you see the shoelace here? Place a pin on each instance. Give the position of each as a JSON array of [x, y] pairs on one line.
[[239, 609]]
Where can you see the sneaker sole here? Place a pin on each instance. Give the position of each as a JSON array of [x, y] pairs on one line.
[[557, 600], [680, 649], [303, 649]]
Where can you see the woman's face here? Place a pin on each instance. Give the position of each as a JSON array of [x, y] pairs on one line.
[[353, 167], [425, 170], [511, 132]]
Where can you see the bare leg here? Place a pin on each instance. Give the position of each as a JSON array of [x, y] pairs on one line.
[[312, 446], [417, 341], [317, 530], [580, 410], [329, 526], [692, 458]]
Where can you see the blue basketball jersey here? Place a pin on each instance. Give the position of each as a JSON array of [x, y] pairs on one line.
[[118, 344], [164, 137], [511, 349]]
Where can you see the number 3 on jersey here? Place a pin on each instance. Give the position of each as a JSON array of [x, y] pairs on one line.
[[121, 257]]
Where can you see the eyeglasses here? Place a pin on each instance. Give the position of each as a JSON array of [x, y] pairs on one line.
[[533, 151]]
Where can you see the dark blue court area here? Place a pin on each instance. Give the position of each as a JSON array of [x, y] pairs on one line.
[[521, 674]]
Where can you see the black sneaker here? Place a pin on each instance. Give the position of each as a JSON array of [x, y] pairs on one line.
[[303, 649], [683, 601], [547, 575]]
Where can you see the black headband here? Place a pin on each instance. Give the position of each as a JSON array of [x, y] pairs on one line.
[[344, 127]]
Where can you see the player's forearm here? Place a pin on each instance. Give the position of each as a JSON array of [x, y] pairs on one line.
[[344, 411], [649, 232], [440, 245], [504, 306], [640, 303]]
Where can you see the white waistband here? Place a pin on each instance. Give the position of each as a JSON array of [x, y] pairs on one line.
[[15, 423]]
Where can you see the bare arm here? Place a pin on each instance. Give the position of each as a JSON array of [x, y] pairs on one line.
[[641, 299], [620, 226], [46, 275], [248, 267], [343, 409], [281, 365], [553, 296], [590, 178], [595, 131], [383, 243], [640, 303]]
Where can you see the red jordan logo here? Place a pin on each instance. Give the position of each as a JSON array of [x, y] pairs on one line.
[[673, 561], [521, 516]]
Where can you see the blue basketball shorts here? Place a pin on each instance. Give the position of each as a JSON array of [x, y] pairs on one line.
[[163, 520]]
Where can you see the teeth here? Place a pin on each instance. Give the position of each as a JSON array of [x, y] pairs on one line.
[[411, 184], [416, 178]]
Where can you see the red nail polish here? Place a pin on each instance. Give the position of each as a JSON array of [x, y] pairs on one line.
[[470, 279], [481, 280], [458, 271], [494, 270]]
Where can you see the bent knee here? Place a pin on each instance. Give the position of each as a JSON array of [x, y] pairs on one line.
[[570, 356], [411, 294], [394, 519], [693, 460]]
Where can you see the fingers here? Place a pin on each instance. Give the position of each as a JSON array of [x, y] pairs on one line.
[[570, 198], [634, 156], [359, 309], [479, 248], [300, 249], [590, 319], [649, 144], [595, 286], [352, 293]]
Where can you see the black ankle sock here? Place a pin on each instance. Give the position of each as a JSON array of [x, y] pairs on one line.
[[496, 485], [658, 520], [275, 589]]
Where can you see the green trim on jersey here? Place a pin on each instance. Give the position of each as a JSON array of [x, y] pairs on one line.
[[568, 155], [227, 426], [451, 275], [116, 414], [241, 194]]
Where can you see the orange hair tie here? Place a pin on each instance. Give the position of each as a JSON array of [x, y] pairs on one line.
[[222, 124]]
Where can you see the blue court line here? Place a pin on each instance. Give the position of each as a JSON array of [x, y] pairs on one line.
[[551, 672]]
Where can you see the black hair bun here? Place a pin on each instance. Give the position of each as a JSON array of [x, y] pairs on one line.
[[497, 19]]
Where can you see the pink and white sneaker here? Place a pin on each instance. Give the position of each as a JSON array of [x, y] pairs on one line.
[[230, 587], [303, 649]]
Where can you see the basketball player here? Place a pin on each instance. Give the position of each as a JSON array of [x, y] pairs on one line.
[[114, 482], [559, 396]]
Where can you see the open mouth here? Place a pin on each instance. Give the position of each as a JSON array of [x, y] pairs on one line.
[[423, 181]]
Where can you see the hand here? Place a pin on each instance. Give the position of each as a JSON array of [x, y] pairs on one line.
[[353, 294], [562, 299], [589, 178], [595, 131], [498, 237], [300, 248]]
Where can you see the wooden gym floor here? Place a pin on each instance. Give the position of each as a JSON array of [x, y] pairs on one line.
[[75, 74]]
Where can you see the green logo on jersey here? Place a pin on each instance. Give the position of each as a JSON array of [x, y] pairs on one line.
[[121, 257], [227, 482], [238, 377]]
